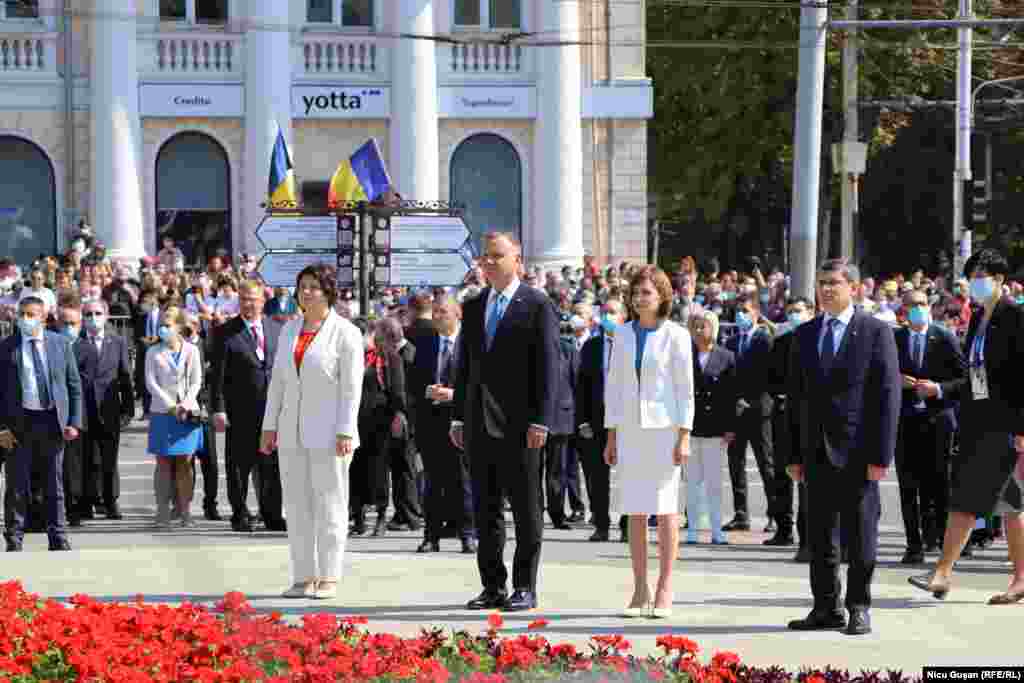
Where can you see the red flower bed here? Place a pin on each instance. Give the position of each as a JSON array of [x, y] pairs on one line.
[[86, 641]]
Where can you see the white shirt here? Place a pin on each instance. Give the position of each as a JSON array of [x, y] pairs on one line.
[[840, 329], [97, 339], [581, 340], [30, 399]]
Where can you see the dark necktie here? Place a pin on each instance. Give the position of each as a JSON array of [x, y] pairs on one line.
[[444, 373], [42, 383], [828, 345], [918, 352]]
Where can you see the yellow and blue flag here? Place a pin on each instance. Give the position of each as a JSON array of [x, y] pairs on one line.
[[281, 188], [363, 177]]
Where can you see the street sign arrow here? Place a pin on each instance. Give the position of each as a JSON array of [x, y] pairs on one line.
[[298, 232], [440, 233], [440, 269], [279, 269]]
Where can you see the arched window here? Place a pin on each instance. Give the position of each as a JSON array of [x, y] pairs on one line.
[[28, 201], [193, 196], [486, 178]]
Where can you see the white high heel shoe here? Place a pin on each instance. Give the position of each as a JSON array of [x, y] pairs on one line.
[[327, 590], [636, 612], [301, 589]]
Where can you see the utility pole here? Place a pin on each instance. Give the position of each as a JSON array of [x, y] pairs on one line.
[[964, 107], [849, 180], [810, 100]]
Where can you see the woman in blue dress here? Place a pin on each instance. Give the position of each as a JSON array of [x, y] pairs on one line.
[[174, 377]]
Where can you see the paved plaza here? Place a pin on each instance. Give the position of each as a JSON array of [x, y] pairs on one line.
[[734, 598]]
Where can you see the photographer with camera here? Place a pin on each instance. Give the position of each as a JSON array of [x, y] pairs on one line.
[[174, 377]]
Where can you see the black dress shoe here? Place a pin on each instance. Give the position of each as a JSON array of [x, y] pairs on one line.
[[85, 511], [912, 557], [860, 622], [561, 526], [397, 525], [429, 547], [242, 525], [276, 525], [14, 546], [449, 531], [358, 528], [770, 528], [968, 552], [487, 600], [577, 517], [819, 620], [803, 555], [780, 539], [74, 520], [468, 546], [520, 601], [59, 544], [114, 512], [932, 547], [737, 524], [211, 514], [599, 536], [380, 528]]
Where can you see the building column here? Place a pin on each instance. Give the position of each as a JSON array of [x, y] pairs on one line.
[[116, 194], [556, 235], [267, 105], [414, 158]]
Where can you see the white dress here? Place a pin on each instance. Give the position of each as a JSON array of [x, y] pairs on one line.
[[647, 481]]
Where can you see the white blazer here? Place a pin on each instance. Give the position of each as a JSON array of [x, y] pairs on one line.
[[170, 386], [664, 396], [309, 408]]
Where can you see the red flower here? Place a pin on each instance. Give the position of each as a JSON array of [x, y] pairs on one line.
[[495, 620], [729, 659], [537, 624], [814, 679], [683, 646]]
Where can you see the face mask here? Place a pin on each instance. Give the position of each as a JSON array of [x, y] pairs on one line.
[[28, 328], [146, 308], [918, 315], [608, 324], [765, 298], [795, 319], [79, 247], [70, 332], [1020, 300], [699, 299], [744, 321], [982, 289], [165, 333], [97, 323], [717, 310], [282, 301], [728, 296]]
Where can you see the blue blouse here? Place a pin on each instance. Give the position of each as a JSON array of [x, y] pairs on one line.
[[641, 339]]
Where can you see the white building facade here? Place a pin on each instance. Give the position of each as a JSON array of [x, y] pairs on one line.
[[157, 117]]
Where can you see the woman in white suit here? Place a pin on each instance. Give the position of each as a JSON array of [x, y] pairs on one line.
[[312, 420], [649, 414]]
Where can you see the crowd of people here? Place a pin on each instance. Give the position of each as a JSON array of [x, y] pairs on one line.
[[523, 388]]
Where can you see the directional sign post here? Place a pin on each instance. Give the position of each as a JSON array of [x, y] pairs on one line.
[[435, 233], [299, 233], [279, 269], [425, 269]]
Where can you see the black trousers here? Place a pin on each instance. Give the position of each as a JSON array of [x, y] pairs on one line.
[[923, 465], [598, 476], [242, 461], [846, 491], [368, 478], [448, 494], [405, 495], [41, 442], [555, 457], [507, 467], [753, 429], [572, 475], [783, 485], [102, 478]]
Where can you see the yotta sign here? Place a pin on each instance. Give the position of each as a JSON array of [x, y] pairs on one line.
[[325, 102]]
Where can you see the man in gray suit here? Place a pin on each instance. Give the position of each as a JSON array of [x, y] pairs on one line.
[[40, 410]]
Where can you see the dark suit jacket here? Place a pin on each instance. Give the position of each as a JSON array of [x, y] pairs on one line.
[[381, 402], [714, 393], [944, 364], [65, 382], [753, 370], [106, 381], [238, 378], [505, 389], [1004, 366], [432, 421], [852, 411], [565, 402], [590, 384]]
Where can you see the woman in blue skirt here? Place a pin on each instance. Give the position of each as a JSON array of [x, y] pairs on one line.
[[174, 376]]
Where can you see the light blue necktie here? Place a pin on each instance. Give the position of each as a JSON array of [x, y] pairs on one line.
[[495, 318]]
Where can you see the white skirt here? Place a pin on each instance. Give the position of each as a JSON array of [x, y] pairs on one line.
[[647, 483]]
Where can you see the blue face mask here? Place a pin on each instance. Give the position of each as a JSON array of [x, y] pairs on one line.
[[70, 332], [164, 333], [728, 296], [918, 315], [1020, 300], [795, 319], [982, 289], [28, 328], [699, 299], [608, 324], [744, 321], [765, 299]]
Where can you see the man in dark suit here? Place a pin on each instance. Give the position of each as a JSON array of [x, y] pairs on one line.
[[449, 494], [40, 410], [562, 427], [934, 370], [752, 347], [108, 401], [70, 325], [844, 386], [590, 415], [243, 358], [504, 405]]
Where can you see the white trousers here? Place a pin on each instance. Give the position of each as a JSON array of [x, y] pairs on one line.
[[704, 482], [315, 487]]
